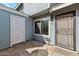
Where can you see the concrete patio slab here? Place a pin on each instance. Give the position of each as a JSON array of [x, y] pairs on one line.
[[25, 49]]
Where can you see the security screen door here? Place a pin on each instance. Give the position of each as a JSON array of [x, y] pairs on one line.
[[64, 31]]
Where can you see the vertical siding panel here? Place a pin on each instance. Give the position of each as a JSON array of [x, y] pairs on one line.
[[28, 28], [4, 29]]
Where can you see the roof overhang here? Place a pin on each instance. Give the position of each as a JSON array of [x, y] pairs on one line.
[[67, 7], [43, 12], [2, 7]]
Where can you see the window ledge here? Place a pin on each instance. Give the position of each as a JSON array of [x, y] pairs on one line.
[[42, 35]]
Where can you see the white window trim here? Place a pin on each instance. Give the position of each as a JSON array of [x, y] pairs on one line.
[[42, 34]]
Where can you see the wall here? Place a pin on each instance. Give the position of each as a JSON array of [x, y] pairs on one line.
[[77, 30], [33, 8], [4, 29], [29, 28], [52, 30]]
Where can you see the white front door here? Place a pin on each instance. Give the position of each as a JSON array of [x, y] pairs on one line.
[[17, 29]]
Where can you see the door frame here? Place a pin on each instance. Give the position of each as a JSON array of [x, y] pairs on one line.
[[74, 28]]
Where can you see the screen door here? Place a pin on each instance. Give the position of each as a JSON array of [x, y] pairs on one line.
[[64, 31]]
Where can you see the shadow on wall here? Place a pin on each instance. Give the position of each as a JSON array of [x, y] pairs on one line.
[[40, 38]]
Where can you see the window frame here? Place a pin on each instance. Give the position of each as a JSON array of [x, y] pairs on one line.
[[40, 27]]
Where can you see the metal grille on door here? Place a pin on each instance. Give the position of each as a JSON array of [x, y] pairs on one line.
[[64, 31]]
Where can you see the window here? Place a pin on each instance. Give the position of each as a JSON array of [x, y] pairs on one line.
[[41, 27], [37, 27], [44, 27], [20, 7]]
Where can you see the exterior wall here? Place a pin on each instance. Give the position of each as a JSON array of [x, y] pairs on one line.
[[4, 29], [28, 29], [40, 38], [51, 36], [77, 30], [52, 31], [33, 8]]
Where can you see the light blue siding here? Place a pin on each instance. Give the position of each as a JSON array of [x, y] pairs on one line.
[[4, 29], [28, 29]]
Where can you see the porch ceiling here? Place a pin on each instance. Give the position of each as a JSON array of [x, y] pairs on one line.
[[62, 8], [65, 9], [46, 11]]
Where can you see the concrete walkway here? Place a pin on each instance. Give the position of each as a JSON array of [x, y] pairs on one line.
[[26, 49], [20, 48]]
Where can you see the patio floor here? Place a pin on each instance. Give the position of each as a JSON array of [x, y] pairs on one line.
[[26, 49]]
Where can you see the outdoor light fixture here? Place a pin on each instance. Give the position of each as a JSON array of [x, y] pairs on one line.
[[52, 18]]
